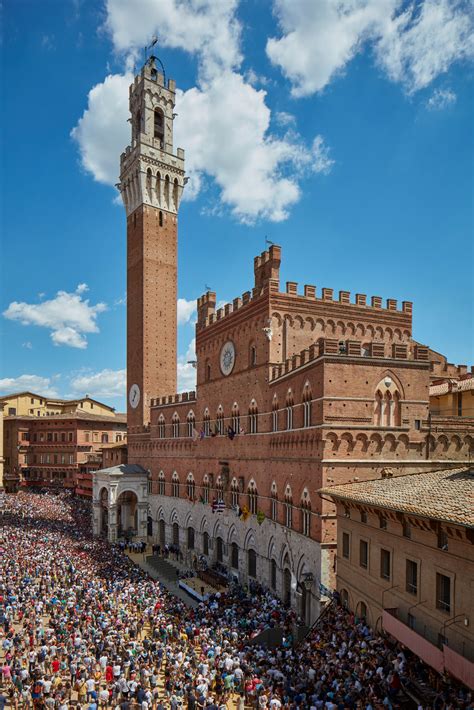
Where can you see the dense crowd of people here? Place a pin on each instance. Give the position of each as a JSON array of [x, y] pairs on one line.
[[81, 626]]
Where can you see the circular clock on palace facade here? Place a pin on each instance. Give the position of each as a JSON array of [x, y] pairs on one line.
[[227, 358], [134, 396]]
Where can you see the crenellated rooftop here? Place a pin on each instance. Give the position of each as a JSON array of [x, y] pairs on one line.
[[349, 348], [267, 281], [179, 398]]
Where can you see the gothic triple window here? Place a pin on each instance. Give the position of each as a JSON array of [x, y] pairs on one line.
[[306, 514], [175, 425], [161, 427], [161, 483], [274, 502], [191, 487], [205, 489], [253, 497], [191, 423], [253, 417], [175, 485], [234, 493]]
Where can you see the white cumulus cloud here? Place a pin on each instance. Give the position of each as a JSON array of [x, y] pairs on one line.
[[68, 316], [413, 43], [106, 383], [28, 383], [441, 99], [256, 172], [206, 28], [186, 371], [102, 133], [186, 310]]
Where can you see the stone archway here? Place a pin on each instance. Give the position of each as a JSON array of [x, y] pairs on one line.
[[127, 514], [287, 586], [120, 502], [162, 533], [175, 534], [219, 549]]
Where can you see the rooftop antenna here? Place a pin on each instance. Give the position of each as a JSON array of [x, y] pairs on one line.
[[207, 288], [267, 241]]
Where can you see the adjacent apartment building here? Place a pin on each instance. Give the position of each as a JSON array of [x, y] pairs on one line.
[[53, 442], [405, 561]]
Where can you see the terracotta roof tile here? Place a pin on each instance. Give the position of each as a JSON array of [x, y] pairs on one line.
[[446, 495]]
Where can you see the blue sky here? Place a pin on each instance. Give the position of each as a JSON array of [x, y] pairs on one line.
[[341, 131]]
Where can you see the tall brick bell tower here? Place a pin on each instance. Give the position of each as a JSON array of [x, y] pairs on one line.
[[151, 183]]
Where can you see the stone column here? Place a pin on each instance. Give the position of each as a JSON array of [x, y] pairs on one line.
[[142, 519], [113, 524], [96, 518]]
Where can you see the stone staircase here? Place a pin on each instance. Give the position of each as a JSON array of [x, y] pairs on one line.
[[166, 568]]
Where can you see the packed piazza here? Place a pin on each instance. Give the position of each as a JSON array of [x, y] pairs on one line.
[[82, 625]]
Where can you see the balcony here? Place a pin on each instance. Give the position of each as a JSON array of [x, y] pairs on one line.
[[442, 658]]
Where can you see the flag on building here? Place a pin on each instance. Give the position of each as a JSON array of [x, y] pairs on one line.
[[244, 513], [218, 506]]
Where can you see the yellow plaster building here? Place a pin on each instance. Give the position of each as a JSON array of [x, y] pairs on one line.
[[31, 404]]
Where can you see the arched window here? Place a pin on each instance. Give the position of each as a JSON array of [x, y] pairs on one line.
[[274, 502], [273, 574], [159, 126], [235, 419], [207, 423], [161, 427], [175, 425], [307, 397], [220, 420], [105, 438], [160, 218], [252, 563], [387, 408], [191, 422], [234, 493], [208, 371], [138, 123], [288, 508], [167, 191], [205, 489], [253, 497], [175, 193], [306, 514], [253, 417], [159, 196], [161, 483], [190, 538], [175, 485], [252, 355], [191, 487], [148, 183], [275, 414], [205, 543]]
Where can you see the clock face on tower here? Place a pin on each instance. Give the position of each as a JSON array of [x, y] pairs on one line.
[[227, 358], [134, 396]]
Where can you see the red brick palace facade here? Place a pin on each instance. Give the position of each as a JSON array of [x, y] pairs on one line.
[[296, 389]]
